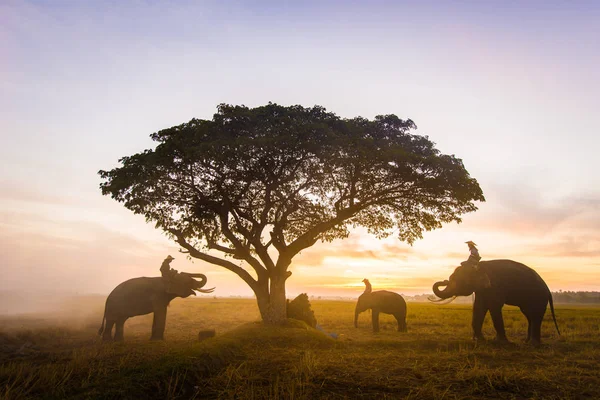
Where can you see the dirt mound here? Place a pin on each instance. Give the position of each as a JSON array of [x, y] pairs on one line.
[[293, 333]]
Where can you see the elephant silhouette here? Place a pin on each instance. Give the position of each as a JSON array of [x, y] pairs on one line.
[[381, 301]]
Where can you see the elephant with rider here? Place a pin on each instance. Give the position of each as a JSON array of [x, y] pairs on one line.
[[140, 296], [496, 283], [381, 301]]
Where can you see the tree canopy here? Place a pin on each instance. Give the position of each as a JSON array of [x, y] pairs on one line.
[[262, 184]]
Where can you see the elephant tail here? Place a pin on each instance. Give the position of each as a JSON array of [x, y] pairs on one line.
[[552, 309]]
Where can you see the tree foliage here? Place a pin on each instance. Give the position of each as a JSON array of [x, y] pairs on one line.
[[253, 182]]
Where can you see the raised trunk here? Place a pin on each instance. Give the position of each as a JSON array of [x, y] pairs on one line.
[[272, 302], [442, 294], [360, 307]]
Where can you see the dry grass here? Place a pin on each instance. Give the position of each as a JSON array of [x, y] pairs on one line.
[[60, 356]]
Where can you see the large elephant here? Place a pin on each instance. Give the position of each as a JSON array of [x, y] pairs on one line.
[[140, 296], [381, 301], [496, 283]]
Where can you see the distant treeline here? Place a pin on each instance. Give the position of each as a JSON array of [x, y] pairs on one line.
[[559, 297], [576, 297]]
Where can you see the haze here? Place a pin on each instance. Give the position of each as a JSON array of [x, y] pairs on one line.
[[512, 89]]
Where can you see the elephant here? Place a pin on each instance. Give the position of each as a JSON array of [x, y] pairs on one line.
[[381, 301], [140, 296], [496, 283]]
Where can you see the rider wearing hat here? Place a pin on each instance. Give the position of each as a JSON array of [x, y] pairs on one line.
[[474, 257], [165, 269]]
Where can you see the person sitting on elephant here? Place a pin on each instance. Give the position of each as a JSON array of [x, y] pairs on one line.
[[368, 287], [474, 257], [166, 270]]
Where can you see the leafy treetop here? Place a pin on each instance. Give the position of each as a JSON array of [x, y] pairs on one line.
[[254, 179]]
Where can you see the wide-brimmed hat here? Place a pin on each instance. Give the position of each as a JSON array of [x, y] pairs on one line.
[[169, 258], [471, 243]]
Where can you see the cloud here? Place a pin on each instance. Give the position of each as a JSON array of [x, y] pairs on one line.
[[16, 192], [42, 254], [359, 245], [521, 209], [581, 246]]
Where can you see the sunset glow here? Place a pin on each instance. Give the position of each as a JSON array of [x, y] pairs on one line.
[[513, 93]]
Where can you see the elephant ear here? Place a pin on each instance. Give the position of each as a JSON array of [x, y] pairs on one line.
[[178, 287], [482, 280]]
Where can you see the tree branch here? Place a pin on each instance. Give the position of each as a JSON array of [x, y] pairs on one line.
[[242, 251], [242, 273], [310, 237], [253, 237]]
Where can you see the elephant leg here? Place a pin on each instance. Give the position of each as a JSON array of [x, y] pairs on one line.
[[107, 334], [401, 322], [529, 324], [536, 325], [536, 330], [375, 314], [120, 325], [496, 313], [158, 323], [479, 311]]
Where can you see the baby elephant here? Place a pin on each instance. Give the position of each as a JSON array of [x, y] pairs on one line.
[[140, 296], [381, 301]]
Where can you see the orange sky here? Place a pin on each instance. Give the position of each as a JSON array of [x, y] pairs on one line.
[[50, 248]]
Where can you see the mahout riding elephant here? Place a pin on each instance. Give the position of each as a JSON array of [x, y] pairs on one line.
[[381, 301], [496, 283], [140, 296]]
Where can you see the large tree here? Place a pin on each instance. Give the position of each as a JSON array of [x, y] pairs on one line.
[[251, 188]]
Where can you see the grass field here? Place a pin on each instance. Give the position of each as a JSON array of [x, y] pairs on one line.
[[60, 356]]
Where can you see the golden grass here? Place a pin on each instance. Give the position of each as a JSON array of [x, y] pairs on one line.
[[61, 357]]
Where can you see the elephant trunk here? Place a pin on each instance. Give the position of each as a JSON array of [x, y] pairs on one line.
[[202, 277], [442, 294], [360, 307], [199, 284]]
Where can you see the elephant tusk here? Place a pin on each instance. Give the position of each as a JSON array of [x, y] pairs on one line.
[[194, 275], [435, 299], [441, 301], [205, 290]]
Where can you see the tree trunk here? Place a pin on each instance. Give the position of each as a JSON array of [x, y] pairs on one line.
[[272, 302]]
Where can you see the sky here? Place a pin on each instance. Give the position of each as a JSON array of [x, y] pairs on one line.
[[510, 87]]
